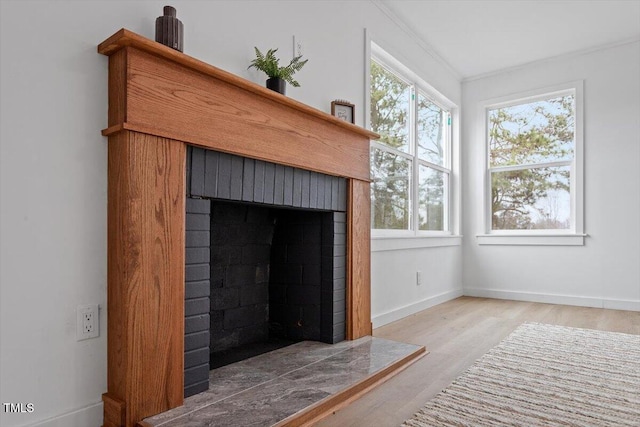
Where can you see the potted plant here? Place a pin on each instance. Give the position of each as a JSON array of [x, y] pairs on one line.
[[278, 76]]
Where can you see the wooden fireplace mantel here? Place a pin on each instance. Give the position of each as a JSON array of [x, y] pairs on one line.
[[160, 101]]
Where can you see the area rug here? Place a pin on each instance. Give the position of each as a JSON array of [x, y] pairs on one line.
[[544, 375]]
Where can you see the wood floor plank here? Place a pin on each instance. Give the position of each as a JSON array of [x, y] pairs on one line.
[[456, 334]]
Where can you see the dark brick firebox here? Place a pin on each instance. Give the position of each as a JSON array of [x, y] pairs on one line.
[[265, 257]]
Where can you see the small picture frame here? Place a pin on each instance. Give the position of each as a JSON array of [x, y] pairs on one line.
[[343, 110]]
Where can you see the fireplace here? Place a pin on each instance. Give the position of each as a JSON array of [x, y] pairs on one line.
[[162, 101], [265, 261]]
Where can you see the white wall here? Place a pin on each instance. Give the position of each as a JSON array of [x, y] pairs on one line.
[[53, 178], [395, 292], [605, 272]]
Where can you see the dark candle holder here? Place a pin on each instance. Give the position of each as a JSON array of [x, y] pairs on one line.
[[169, 29]]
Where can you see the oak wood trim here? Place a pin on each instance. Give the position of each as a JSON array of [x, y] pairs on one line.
[[265, 155], [117, 274], [124, 38], [117, 83], [359, 260], [314, 413], [114, 411], [145, 309], [167, 99]]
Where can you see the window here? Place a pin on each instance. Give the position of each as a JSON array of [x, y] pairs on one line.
[[411, 162], [534, 168]]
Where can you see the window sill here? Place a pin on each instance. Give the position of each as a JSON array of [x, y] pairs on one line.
[[381, 244], [531, 239]]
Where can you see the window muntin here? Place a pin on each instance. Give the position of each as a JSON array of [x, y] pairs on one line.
[[411, 161], [531, 147]]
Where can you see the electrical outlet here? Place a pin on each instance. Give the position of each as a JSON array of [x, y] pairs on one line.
[[88, 321], [419, 278]]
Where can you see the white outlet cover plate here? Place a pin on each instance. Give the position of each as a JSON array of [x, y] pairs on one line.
[[93, 311]]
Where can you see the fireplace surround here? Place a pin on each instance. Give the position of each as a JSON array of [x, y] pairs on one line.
[[160, 102]]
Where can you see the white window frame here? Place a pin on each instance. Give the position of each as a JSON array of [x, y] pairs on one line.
[[415, 238], [565, 237]]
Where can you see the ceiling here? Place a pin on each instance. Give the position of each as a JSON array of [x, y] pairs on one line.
[[476, 37]]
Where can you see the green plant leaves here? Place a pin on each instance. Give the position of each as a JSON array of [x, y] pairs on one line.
[[270, 65]]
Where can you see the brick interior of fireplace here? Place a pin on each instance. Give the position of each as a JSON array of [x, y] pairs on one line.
[[265, 260]]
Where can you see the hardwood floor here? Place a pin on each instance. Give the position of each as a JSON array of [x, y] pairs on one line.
[[457, 333]]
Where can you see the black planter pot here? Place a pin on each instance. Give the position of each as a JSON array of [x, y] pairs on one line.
[[277, 84]]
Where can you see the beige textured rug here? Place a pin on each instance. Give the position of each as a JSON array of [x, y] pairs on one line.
[[543, 375]]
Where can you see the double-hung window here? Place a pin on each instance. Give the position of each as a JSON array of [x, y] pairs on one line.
[[411, 162], [534, 165]]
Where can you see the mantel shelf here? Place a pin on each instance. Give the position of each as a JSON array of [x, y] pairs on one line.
[[124, 38]]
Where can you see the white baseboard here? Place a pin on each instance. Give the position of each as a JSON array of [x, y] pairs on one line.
[[89, 416], [408, 310], [554, 299], [618, 304]]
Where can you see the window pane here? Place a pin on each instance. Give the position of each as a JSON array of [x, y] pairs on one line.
[[390, 108], [531, 199], [536, 132], [433, 196], [431, 131], [390, 190]]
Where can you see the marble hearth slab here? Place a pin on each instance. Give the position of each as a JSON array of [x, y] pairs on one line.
[[275, 386]]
